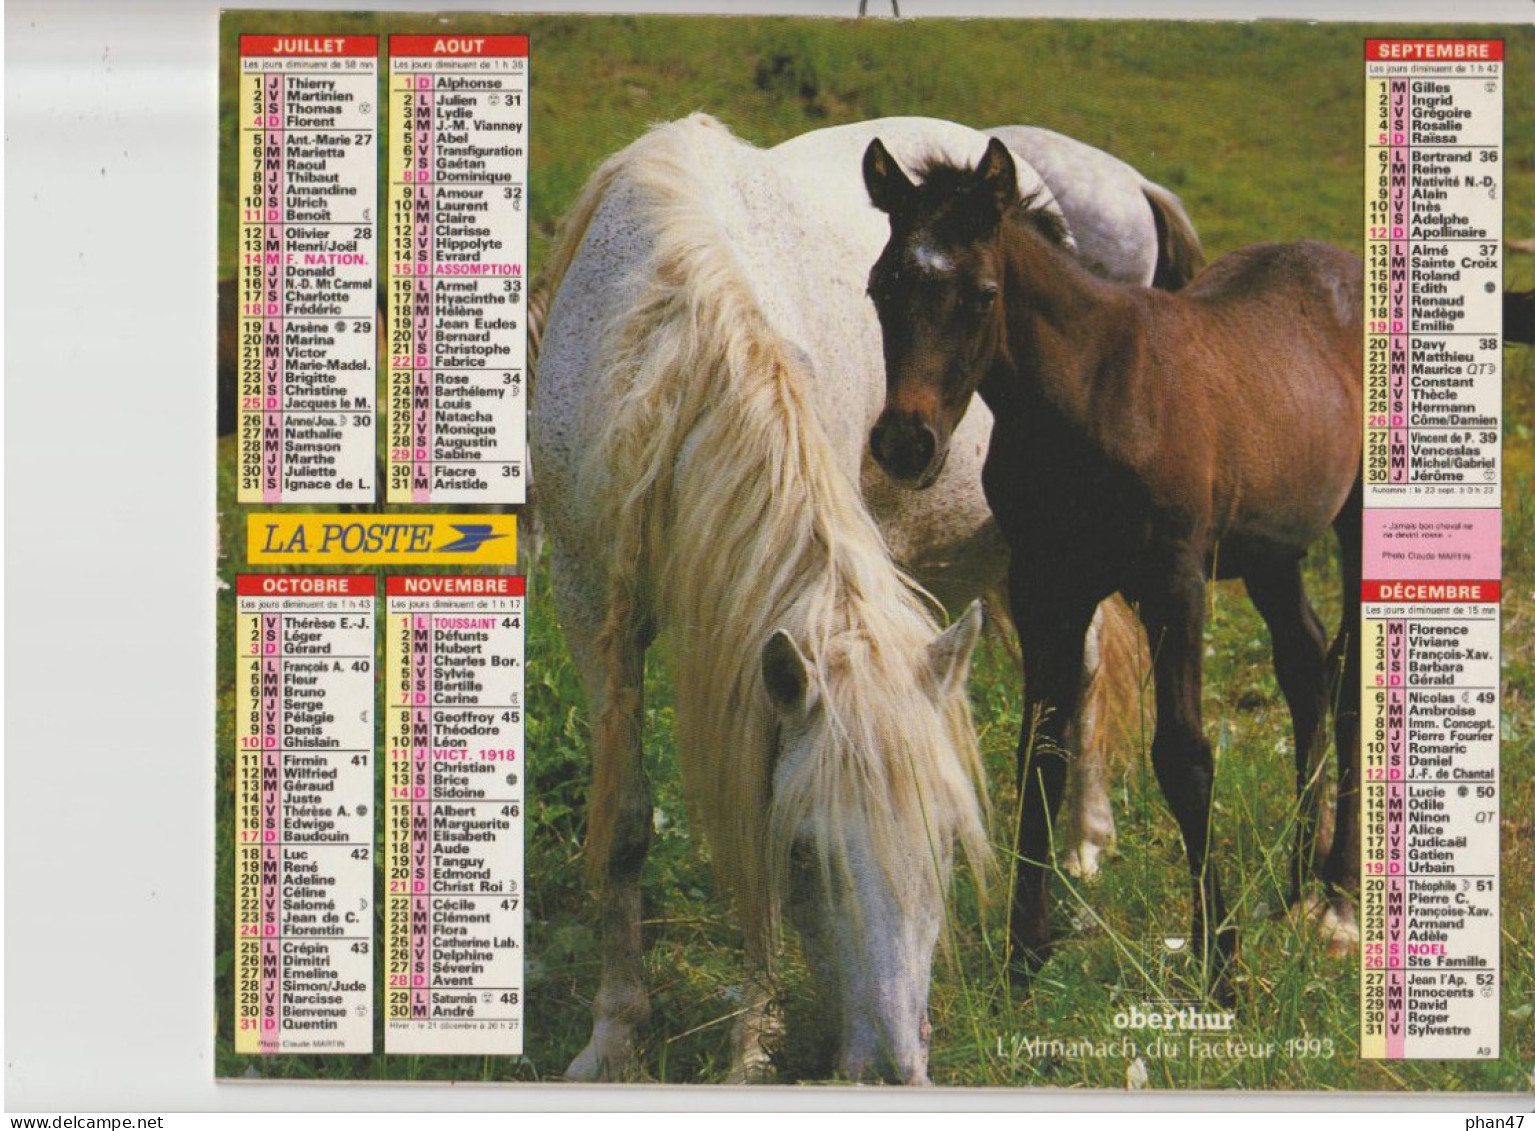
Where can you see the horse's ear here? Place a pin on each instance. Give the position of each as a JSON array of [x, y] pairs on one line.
[[998, 174], [948, 657], [889, 190], [786, 673]]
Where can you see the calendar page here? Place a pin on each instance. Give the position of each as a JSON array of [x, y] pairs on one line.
[[783, 551]]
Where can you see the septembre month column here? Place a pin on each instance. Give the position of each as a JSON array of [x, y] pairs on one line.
[[1430, 958]]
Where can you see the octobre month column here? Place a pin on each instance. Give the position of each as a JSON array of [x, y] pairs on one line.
[[304, 899]]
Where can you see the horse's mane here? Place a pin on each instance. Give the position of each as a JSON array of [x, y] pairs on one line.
[[730, 518], [955, 190]]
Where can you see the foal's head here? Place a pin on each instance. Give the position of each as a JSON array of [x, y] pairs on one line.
[[938, 290]]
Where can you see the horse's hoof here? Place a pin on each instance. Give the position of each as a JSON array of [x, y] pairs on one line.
[[606, 1058], [1305, 908], [1334, 921], [743, 1073], [750, 1062], [1026, 962], [1220, 985], [1020, 980], [1223, 992], [586, 1068], [1082, 861], [1339, 927], [1218, 967]]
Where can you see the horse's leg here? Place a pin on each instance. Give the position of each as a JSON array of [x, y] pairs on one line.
[[614, 683], [1052, 630], [1300, 664], [1174, 616], [1089, 817], [1340, 871], [757, 1024]]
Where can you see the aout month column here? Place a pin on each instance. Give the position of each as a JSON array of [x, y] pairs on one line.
[[458, 161]]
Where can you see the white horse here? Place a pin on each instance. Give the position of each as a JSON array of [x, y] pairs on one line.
[[708, 373]]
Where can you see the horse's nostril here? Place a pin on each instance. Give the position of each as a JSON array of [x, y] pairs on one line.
[[924, 445], [877, 439], [903, 445]]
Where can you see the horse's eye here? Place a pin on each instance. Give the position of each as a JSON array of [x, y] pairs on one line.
[[984, 297]]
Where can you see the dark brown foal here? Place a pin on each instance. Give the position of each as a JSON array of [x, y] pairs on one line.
[[1144, 443]]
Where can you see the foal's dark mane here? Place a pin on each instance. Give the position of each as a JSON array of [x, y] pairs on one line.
[[963, 205]]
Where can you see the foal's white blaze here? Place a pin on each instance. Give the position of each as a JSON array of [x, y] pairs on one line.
[[868, 924], [931, 262]]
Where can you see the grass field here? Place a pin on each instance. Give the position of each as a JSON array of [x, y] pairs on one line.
[[1259, 127]]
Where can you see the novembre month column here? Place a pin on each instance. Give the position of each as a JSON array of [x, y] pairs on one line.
[[304, 814], [454, 838]]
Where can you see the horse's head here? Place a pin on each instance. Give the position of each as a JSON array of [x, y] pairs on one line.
[[875, 778], [937, 289]]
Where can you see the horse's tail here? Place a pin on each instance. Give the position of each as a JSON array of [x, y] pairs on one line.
[[530, 534], [1179, 254], [603, 805], [1113, 708], [228, 367], [540, 294], [568, 237], [632, 451], [1111, 712], [1343, 658], [1344, 671], [1114, 714]]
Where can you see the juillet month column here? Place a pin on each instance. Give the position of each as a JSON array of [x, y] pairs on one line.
[[308, 211]]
